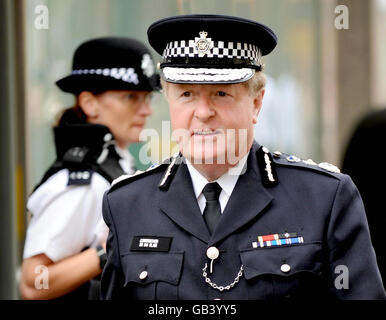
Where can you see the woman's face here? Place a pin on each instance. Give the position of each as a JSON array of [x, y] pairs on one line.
[[124, 113]]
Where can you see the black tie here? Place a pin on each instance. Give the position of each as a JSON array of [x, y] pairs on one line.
[[212, 212]]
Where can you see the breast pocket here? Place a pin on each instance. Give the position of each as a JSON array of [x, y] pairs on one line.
[[283, 272], [152, 275]]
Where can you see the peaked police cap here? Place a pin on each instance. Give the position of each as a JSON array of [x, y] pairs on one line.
[[205, 48]]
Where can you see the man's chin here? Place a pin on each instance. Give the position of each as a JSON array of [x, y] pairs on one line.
[[203, 156]]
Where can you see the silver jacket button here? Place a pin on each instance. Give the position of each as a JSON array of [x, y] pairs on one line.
[[285, 268], [212, 253], [143, 275]]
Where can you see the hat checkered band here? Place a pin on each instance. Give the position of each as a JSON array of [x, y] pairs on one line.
[[217, 49], [125, 74]]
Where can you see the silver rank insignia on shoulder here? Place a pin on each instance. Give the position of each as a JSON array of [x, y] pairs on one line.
[[277, 154], [153, 166], [203, 44], [310, 162], [293, 159], [329, 167]]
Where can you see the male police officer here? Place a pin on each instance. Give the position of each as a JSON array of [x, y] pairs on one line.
[[225, 218]]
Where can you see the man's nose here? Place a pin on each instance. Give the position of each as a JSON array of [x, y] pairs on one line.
[[204, 109]]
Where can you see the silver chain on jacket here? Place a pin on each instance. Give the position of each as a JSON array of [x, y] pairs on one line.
[[222, 288]]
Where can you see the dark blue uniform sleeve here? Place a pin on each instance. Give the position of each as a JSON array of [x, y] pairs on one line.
[[112, 276], [353, 270]]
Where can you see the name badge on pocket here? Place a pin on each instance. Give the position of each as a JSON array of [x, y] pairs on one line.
[[151, 243]]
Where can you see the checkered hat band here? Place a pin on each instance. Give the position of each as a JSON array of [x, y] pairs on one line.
[[220, 49], [125, 74]]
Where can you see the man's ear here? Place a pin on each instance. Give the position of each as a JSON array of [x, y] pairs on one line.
[[89, 104], [257, 104]]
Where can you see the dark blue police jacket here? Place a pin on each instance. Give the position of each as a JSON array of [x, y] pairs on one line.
[[158, 240]]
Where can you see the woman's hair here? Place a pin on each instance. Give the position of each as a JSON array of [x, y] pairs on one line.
[[71, 115], [74, 114]]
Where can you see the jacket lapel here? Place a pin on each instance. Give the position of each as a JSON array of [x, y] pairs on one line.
[[180, 205], [249, 198]]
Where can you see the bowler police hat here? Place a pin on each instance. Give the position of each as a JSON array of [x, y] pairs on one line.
[[205, 48], [110, 63]]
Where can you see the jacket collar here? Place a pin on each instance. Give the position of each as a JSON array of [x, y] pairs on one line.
[[248, 200]]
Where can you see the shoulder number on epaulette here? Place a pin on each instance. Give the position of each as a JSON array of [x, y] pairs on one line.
[[79, 177]]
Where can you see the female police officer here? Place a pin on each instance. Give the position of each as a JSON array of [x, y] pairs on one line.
[[227, 219], [112, 79]]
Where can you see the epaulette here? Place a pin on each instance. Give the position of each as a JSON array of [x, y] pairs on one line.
[[79, 177], [127, 178], [170, 163], [294, 161]]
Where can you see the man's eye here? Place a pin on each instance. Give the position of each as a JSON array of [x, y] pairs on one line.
[[221, 93], [187, 94]]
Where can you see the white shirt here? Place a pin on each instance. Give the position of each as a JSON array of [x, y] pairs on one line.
[[65, 219], [227, 183]]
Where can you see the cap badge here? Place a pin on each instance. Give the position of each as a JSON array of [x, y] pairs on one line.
[[147, 65], [203, 44]]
